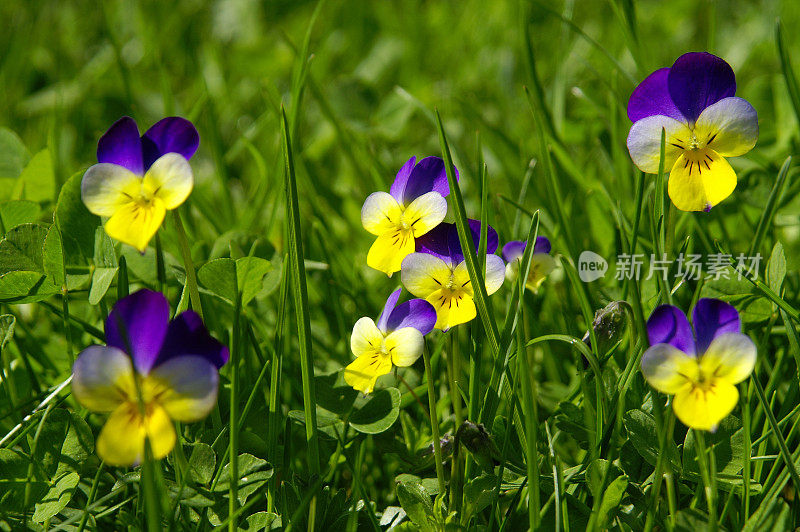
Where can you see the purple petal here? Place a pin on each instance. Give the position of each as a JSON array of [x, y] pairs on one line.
[[416, 313], [428, 175], [652, 97], [698, 79], [711, 318], [387, 309], [436, 241], [137, 325], [170, 135], [668, 325], [542, 245], [400, 180], [513, 250], [192, 384], [443, 242], [188, 336], [121, 145]]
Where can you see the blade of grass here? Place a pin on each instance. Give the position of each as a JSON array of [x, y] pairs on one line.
[[273, 421], [300, 297], [467, 245], [787, 70], [768, 214]]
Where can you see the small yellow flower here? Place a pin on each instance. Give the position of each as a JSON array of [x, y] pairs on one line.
[[701, 370]]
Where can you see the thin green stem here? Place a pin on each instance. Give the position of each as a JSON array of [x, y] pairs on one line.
[[233, 425], [90, 499], [161, 271], [525, 377], [709, 482], [666, 427], [437, 442], [456, 470]]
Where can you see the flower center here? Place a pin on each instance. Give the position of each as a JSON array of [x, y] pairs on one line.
[[698, 160], [705, 381]]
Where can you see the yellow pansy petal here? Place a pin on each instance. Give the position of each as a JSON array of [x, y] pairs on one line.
[[106, 187], [452, 308], [362, 373], [461, 280], [699, 180], [381, 213], [186, 387], [102, 378], [541, 267], [135, 224], [704, 407], [121, 441], [729, 127], [731, 357], [388, 251], [425, 213], [366, 337], [422, 274], [493, 276], [668, 369], [404, 345], [170, 179], [644, 141]]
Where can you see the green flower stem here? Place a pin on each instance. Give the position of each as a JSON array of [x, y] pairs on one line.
[[233, 425], [525, 377], [457, 470], [744, 396], [666, 428], [191, 274], [274, 419], [152, 500], [161, 271], [709, 482], [437, 443], [90, 499]]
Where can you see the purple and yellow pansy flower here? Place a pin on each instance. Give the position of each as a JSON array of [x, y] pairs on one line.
[[150, 372], [396, 340], [700, 369], [541, 262], [138, 179], [438, 273], [693, 102], [413, 206]]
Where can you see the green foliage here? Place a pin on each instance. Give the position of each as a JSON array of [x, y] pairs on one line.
[[304, 108]]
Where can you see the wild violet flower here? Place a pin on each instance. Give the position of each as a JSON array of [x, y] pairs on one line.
[[438, 273], [414, 205], [138, 179], [701, 370], [396, 340], [694, 103], [152, 371], [541, 262]]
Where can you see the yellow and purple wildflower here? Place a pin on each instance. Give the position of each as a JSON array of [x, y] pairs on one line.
[[700, 369], [150, 372], [693, 102], [413, 206], [138, 179], [396, 340], [541, 262], [438, 273]]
